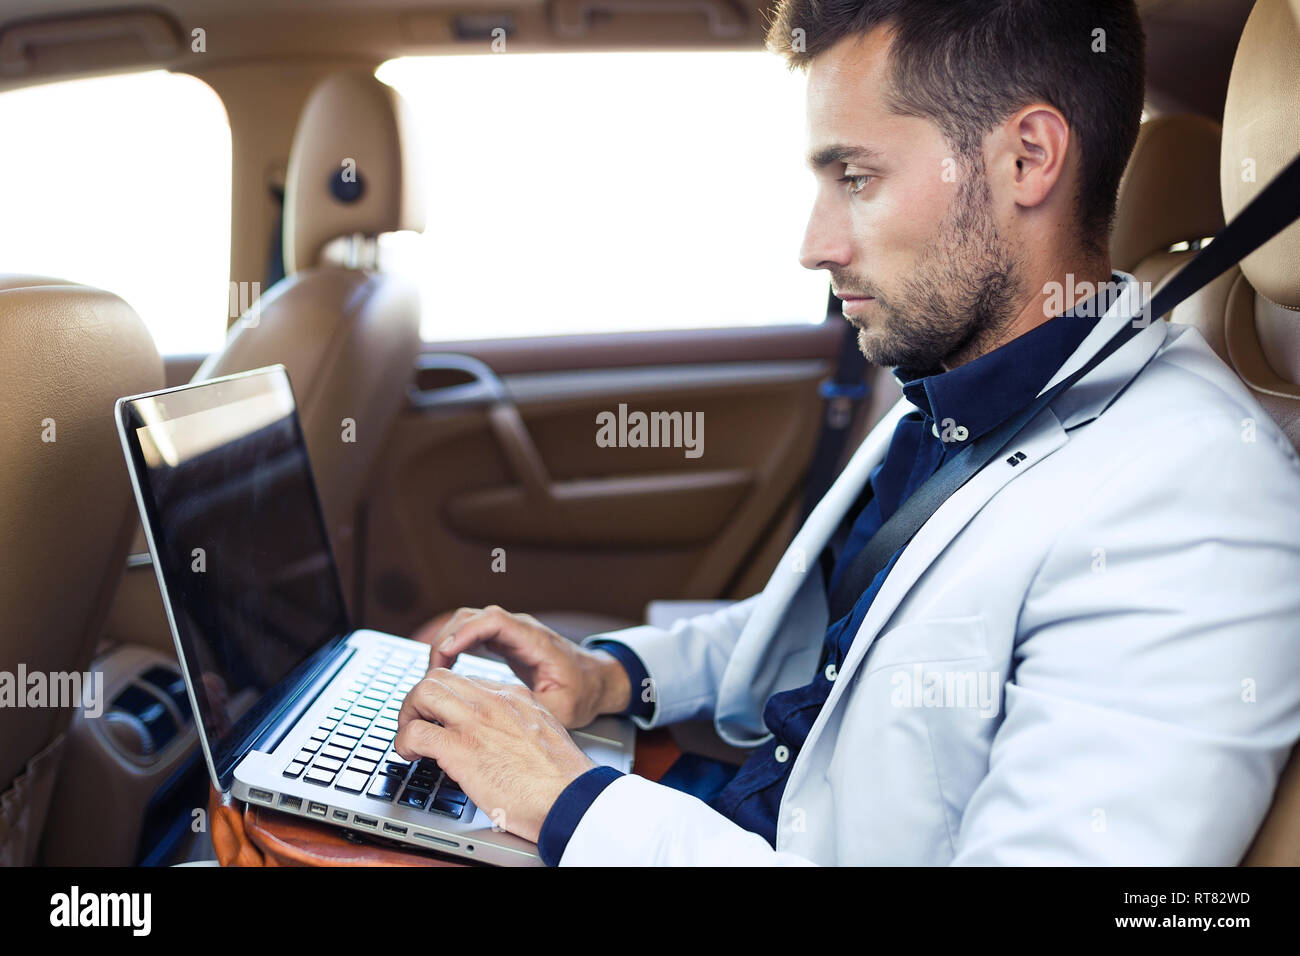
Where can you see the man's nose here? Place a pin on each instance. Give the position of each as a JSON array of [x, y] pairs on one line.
[[826, 242]]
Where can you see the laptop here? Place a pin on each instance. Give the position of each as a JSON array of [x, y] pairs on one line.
[[297, 709]]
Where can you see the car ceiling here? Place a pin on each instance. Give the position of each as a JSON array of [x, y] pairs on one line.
[[1190, 42]]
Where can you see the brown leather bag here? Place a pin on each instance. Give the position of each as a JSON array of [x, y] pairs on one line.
[[249, 835]]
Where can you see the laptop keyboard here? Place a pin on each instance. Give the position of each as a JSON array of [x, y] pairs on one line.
[[352, 750]]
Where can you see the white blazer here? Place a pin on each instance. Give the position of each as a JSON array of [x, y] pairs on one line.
[[1090, 657]]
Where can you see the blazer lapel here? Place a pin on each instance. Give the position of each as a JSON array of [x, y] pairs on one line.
[[767, 652], [1040, 438], [780, 643]]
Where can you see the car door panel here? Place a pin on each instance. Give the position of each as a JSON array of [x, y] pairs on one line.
[[498, 491]]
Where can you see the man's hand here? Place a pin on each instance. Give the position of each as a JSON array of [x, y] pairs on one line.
[[505, 749], [575, 684]]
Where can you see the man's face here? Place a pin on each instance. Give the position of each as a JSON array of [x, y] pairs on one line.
[[902, 220]]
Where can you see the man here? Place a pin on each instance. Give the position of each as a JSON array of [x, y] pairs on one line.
[[1090, 653]]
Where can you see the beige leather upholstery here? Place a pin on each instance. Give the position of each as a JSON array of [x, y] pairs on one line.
[[348, 337], [1169, 194], [352, 125], [66, 510], [1252, 314]]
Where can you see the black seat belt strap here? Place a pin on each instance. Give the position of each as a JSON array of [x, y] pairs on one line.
[[1275, 207]]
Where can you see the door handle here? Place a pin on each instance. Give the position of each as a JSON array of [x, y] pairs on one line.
[[444, 379]]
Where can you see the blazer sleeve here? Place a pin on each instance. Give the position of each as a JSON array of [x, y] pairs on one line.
[[684, 663], [1156, 686], [638, 823]]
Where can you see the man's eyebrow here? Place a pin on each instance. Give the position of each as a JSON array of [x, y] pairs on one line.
[[841, 153]]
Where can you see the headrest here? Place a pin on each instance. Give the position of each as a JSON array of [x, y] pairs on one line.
[[1261, 134], [1170, 189], [353, 168]]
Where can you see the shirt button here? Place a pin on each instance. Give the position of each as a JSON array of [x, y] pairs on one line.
[[831, 672], [782, 753]]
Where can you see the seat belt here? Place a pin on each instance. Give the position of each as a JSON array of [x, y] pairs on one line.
[[1275, 207], [843, 392]]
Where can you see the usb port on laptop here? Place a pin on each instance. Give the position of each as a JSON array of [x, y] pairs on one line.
[[394, 828], [365, 821]]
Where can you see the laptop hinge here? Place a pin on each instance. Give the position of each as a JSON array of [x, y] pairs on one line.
[[297, 704]]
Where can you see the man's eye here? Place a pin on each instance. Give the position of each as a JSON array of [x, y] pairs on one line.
[[856, 183]]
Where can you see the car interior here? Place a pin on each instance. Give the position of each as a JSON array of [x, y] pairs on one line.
[[340, 172]]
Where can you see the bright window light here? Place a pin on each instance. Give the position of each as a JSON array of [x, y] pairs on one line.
[[123, 182], [572, 193]]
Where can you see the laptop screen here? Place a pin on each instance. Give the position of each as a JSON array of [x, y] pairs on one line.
[[240, 543]]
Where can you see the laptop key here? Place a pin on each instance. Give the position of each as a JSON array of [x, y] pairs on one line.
[[319, 775], [365, 766], [294, 769], [329, 763], [442, 805], [370, 753], [352, 781], [337, 752], [414, 798], [353, 734], [385, 788], [451, 796]]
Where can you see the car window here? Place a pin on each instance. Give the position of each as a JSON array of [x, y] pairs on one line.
[[123, 182], [572, 193]]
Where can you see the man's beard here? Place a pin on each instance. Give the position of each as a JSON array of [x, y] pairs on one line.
[[961, 296]]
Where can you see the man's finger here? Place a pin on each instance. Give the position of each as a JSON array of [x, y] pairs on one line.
[[438, 697], [491, 625], [420, 738], [437, 629]]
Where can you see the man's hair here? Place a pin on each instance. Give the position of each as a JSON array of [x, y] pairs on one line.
[[969, 64]]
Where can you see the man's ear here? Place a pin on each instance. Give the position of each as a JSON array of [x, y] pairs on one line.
[[1033, 153]]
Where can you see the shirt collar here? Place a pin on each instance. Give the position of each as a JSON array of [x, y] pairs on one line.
[[967, 401]]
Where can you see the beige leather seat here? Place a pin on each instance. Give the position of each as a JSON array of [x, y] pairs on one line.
[[66, 511], [347, 333], [1169, 194], [1251, 315]]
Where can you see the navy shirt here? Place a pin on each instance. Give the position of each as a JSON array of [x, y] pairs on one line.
[[953, 408]]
